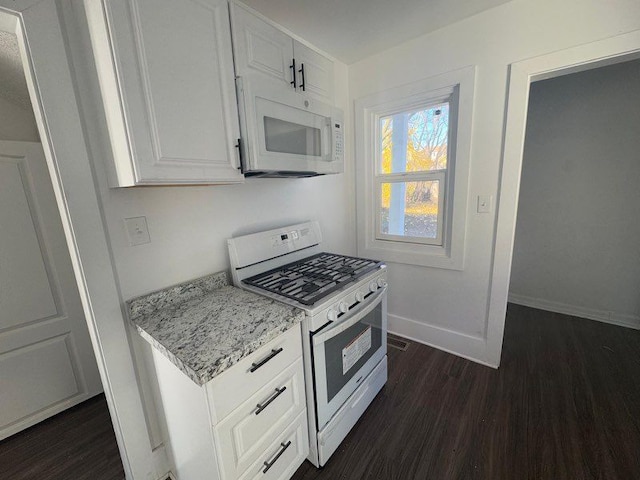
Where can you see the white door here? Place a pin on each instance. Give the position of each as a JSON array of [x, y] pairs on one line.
[[46, 358]]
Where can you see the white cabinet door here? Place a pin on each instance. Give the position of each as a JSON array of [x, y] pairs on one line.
[[166, 76], [46, 358], [284, 456], [261, 47], [247, 433], [315, 73]]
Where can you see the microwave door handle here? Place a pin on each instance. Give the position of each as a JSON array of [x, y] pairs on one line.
[[342, 326]]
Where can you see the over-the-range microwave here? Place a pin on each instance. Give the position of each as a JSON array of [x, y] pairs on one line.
[[285, 134]]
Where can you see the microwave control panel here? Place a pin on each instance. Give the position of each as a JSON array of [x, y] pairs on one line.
[[338, 142]]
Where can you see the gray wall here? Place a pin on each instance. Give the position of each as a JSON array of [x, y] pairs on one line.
[[577, 245]]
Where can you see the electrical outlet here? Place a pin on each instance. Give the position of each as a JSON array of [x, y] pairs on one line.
[[137, 230], [485, 203]]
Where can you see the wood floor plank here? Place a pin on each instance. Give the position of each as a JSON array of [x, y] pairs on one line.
[[77, 444], [564, 405]]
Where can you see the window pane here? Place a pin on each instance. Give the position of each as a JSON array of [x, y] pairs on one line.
[[415, 141], [410, 208]]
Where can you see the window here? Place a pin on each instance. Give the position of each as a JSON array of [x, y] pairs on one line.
[[411, 174], [412, 158]]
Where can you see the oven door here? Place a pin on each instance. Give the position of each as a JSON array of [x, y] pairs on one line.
[[346, 351], [284, 131]]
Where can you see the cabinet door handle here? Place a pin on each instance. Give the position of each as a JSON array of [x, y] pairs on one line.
[[293, 73], [255, 366], [262, 406], [283, 447], [302, 72]]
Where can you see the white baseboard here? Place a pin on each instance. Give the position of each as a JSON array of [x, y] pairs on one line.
[[161, 463], [460, 344], [614, 318]]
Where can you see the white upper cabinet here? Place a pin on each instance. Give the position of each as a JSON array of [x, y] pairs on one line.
[[167, 83], [315, 73], [261, 47]]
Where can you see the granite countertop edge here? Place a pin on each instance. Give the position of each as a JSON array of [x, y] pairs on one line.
[[166, 303]]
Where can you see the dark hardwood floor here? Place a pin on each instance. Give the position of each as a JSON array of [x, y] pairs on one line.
[[564, 404], [77, 444]]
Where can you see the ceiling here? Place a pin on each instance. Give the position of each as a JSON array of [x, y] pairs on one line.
[[13, 86], [351, 30]]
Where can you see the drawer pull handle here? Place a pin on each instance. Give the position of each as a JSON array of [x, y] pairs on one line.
[[268, 465], [262, 406], [255, 366]]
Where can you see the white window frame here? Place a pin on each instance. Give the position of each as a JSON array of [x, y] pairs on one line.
[[457, 88]]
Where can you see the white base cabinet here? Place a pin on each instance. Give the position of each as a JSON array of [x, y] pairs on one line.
[[167, 83], [243, 424]]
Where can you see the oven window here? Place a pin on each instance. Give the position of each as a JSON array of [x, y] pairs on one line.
[[348, 351], [286, 137]]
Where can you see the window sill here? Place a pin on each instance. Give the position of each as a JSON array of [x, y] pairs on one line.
[[434, 256]]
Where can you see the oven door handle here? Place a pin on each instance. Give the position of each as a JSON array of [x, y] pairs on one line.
[[340, 327]]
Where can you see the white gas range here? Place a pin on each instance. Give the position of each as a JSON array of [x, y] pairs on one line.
[[345, 328]]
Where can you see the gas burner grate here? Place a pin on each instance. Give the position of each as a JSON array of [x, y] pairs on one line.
[[313, 278]]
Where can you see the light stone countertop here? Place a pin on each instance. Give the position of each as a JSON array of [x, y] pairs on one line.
[[206, 325]]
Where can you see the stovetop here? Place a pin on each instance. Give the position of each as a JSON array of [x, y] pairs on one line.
[[309, 280]]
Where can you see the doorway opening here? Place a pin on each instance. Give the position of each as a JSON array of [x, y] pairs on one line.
[[574, 169], [576, 249], [625, 47]]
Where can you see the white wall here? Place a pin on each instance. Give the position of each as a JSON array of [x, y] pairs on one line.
[[576, 247], [189, 225], [16, 123], [449, 308]]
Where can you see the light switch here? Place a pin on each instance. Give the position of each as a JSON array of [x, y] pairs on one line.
[[485, 203], [137, 230]]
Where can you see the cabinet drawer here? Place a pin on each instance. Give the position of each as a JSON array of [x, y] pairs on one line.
[[256, 425], [282, 458], [228, 390]]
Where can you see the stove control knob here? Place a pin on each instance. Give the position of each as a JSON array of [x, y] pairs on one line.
[[343, 307], [359, 296], [332, 315], [373, 286], [382, 282]]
